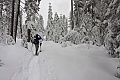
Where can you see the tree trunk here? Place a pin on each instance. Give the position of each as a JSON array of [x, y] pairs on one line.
[[21, 23], [9, 19], [1, 7], [17, 14], [1, 25], [28, 40], [1, 11], [72, 14], [12, 18]]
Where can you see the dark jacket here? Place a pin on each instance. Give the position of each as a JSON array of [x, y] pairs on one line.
[[37, 38]]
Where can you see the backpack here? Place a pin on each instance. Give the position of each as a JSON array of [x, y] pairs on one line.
[[36, 39]]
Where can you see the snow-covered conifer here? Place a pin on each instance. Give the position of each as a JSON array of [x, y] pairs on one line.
[[56, 28], [49, 29]]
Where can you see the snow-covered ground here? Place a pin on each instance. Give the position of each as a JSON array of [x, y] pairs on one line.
[[78, 62]]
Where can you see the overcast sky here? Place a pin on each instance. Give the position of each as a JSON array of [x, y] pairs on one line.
[[59, 6]]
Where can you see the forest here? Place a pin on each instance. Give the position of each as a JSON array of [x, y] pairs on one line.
[[93, 22]]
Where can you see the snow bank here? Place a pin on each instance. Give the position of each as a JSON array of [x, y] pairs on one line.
[[66, 44], [12, 56], [72, 36], [10, 40]]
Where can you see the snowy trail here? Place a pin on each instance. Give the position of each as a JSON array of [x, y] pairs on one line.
[[47, 68], [29, 70], [39, 67], [33, 71], [70, 63]]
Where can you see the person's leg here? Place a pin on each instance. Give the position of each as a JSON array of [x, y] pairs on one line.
[[40, 46], [35, 49], [36, 46]]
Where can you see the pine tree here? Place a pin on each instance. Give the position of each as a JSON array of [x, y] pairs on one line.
[[31, 8], [60, 26], [78, 10], [49, 29], [40, 24], [2, 28], [5, 30], [56, 28], [83, 17], [7, 15], [65, 24], [113, 27]]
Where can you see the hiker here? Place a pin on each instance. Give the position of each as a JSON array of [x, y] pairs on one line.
[[36, 41]]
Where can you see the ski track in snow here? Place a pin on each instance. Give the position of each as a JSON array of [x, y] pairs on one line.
[[35, 68], [47, 71]]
